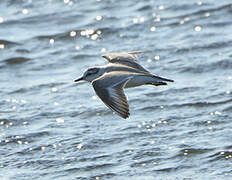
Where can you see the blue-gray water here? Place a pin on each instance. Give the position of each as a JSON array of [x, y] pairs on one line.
[[52, 128]]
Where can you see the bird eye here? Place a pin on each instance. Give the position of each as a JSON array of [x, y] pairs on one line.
[[89, 73]]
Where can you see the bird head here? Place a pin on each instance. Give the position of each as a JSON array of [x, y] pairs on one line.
[[91, 74]]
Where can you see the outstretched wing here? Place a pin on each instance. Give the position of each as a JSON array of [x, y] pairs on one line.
[[112, 94], [125, 58], [122, 56]]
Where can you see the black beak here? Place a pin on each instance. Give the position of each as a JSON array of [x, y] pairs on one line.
[[79, 79]]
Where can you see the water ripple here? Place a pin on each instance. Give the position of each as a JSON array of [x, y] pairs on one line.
[[53, 128]]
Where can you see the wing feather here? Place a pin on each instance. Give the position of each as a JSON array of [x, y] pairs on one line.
[[125, 58], [113, 96]]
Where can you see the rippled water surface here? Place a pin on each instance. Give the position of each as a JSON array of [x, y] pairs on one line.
[[52, 128]]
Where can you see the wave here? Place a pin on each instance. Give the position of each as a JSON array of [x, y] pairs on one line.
[[7, 42], [225, 64], [16, 60]]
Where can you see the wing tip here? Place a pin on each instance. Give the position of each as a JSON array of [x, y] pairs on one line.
[[169, 80], [122, 112], [138, 52], [163, 79], [106, 56], [125, 116]]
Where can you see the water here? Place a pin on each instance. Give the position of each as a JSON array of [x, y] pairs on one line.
[[52, 128]]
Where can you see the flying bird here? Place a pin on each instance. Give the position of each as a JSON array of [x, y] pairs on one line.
[[121, 71]]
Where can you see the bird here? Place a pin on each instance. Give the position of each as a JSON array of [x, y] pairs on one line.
[[122, 71]]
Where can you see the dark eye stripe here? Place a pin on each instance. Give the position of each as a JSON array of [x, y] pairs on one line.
[[90, 73]]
